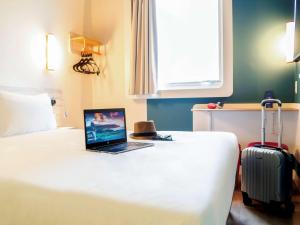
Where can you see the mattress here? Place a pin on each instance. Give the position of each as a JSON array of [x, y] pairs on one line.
[[48, 178]]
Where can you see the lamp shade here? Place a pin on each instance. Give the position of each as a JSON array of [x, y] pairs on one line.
[[51, 52]]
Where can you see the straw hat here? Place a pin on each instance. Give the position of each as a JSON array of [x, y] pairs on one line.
[[144, 130]]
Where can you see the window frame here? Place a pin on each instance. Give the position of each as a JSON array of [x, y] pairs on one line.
[[224, 88]]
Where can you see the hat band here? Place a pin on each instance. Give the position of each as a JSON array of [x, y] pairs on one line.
[[146, 134]]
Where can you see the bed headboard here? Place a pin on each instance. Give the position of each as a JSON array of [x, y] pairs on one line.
[[55, 94]]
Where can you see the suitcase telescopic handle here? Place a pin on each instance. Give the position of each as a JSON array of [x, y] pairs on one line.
[[263, 121], [266, 101]]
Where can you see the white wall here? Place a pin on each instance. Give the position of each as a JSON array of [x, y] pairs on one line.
[[297, 139], [109, 22], [23, 26], [297, 147]]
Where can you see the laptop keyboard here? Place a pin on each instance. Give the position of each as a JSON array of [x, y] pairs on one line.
[[124, 147]]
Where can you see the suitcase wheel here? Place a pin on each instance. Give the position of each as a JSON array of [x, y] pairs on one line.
[[289, 208], [246, 200]]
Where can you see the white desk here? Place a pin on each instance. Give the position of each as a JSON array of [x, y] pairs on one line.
[[245, 121]]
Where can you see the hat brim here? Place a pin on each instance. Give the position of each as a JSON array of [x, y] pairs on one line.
[[141, 137]]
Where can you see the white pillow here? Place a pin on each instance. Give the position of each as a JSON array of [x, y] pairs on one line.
[[20, 114]]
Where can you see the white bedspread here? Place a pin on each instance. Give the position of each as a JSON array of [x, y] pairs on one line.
[[48, 178]]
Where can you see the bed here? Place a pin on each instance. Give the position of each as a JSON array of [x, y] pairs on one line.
[[48, 178]]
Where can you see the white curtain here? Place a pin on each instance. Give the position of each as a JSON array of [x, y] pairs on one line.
[[143, 80]]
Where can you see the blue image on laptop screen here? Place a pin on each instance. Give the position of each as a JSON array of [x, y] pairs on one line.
[[104, 126]]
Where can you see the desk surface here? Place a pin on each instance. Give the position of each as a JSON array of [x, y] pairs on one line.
[[245, 107]]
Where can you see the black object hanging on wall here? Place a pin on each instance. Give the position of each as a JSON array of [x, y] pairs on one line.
[[269, 95], [87, 65]]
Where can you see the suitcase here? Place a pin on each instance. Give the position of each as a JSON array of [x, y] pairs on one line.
[[267, 170], [273, 144]]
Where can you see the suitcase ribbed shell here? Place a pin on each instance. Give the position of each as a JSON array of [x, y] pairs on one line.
[[263, 174]]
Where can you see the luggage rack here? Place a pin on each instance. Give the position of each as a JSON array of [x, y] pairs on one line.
[[81, 44]]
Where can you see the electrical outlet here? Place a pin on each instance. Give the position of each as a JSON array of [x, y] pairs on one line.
[[299, 75], [296, 87]]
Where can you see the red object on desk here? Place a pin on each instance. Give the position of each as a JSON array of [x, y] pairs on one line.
[[211, 105]]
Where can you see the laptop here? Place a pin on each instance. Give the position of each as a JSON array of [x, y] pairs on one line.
[[105, 131]]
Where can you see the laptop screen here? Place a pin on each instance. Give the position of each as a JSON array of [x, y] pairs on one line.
[[104, 127]]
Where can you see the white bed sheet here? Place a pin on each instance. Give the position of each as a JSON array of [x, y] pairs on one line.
[[48, 178]]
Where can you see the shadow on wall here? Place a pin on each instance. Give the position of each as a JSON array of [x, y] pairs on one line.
[[100, 20], [87, 17]]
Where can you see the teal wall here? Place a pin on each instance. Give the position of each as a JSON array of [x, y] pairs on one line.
[[257, 66]]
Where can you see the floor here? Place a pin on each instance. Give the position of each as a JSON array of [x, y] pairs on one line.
[[257, 215]]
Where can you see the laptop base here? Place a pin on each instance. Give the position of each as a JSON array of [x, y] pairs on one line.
[[120, 148]]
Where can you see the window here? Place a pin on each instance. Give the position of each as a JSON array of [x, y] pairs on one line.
[[189, 38]]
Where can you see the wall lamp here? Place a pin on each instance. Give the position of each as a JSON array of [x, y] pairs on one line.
[[290, 41], [51, 53]]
